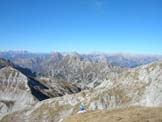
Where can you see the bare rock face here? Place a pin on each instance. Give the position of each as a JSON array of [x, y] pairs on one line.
[[15, 93]]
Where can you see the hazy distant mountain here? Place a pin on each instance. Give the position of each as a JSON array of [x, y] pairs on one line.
[[29, 60], [20, 54], [34, 60], [127, 60]]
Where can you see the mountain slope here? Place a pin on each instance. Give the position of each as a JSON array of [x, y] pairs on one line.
[[133, 114], [144, 81], [130, 88], [57, 88]]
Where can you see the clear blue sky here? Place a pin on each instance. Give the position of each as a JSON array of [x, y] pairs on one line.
[[81, 25]]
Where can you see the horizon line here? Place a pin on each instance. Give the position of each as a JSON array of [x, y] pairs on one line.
[[86, 53]]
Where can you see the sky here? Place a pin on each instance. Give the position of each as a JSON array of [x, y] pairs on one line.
[[110, 26]]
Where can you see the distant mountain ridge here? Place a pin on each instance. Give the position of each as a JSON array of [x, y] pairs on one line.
[[20, 54], [120, 59], [128, 60], [86, 69]]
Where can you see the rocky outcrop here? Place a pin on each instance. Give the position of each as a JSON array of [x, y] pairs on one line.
[[15, 93]]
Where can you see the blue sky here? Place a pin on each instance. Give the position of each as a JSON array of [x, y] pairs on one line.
[[81, 25]]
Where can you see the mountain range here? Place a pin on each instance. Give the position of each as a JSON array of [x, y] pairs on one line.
[[50, 87]]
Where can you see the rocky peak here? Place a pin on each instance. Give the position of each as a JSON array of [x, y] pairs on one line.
[[15, 93], [4, 63]]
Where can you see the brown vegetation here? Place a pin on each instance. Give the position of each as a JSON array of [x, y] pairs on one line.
[[132, 114]]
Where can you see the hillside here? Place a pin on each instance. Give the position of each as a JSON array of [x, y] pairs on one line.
[[132, 114], [144, 83]]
